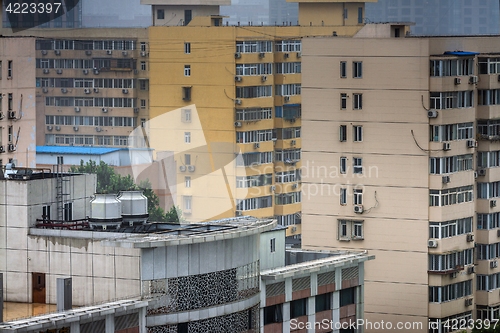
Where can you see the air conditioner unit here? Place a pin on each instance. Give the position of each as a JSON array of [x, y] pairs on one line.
[[125, 91], [143, 53], [263, 78], [11, 115], [237, 78], [64, 90], [2, 149], [88, 52], [49, 128], [471, 270], [109, 52], [473, 79], [432, 114], [286, 55], [256, 145], [46, 71], [493, 264], [299, 54], [105, 110], [96, 71], [358, 209], [294, 229], [237, 124], [11, 147], [294, 186], [57, 52], [286, 98], [471, 143], [262, 55], [481, 172], [87, 91], [237, 101], [136, 110], [59, 71], [470, 237], [446, 179], [45, 90], [125, 53], [453, 275], [238, 213], [96, 90], [75, 128], [2, 115], [85, 71], [77, 109], [98, 129], [446, 146], [293, 142], [498, 233], [44, 52], [58, 128], [182, 168], [469, 301], [432, 243], [136, 71], [237, 55], [191, 168], [458, 80], [493, 203], [272, 188]]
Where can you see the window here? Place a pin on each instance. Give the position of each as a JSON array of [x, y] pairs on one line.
[[254, 114], [343, 133], [68, 211], [186, 93], [343, 101], [187, 200], [343, 196], [358, 133], [187, 181], [143, 65], [46, 213], [357, 101], [343, 69], [143, 103], [350, 230], [160, 14], [298, 308], [360, 15], [187, 70], [273, 244], [255, 46], [254, 203], [143, 46], [9, 69], [188, 15], [182, 328], [323, 302], [450, 261], [343, 164], [451, 228], [187, 48], [273, 314], [357, 165], [455, 99], [10, 134], [358, 196], [10, 102], [143, 84], [187, 137], [143, 122], [1, 69], [453, 196], [347, 296], [186, 115], [187, 159], [345, 13], [357, 69]]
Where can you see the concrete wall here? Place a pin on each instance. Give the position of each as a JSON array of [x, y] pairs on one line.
[[272, 259]]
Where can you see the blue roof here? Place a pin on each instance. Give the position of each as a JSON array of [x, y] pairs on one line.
[[461, 53], [77, 150]]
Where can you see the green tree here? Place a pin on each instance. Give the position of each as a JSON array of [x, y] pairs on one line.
[[108, 181]]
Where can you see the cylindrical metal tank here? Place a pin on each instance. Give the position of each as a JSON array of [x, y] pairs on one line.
[[105, 212], [134, 207]]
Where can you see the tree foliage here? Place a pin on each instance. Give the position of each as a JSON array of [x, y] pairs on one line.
[[108, 181]]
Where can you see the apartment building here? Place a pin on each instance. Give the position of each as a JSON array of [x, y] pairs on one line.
[[82, 87], [226, 102], [400, 160]]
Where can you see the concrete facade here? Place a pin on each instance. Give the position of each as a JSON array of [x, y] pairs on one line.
[[375, 121]]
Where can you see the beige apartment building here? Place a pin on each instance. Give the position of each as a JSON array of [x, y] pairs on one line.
[[400, 158]]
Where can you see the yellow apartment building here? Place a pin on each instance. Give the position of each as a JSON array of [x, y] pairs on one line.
[[400, 158], [225, 101]]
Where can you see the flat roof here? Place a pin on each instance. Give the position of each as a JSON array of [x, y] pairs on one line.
[[81, 150], [337, 259]]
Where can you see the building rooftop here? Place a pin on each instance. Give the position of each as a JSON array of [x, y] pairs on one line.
[[79, 150]]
